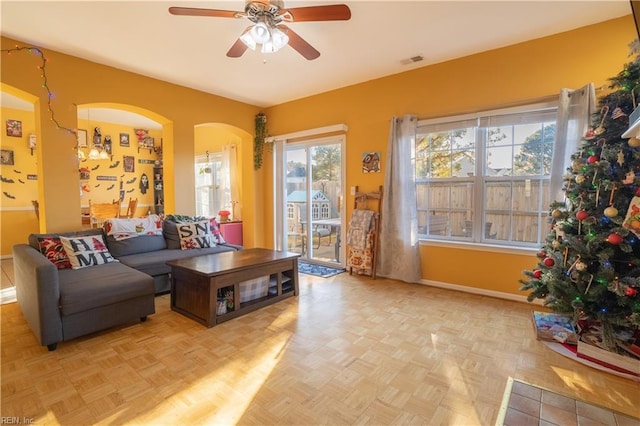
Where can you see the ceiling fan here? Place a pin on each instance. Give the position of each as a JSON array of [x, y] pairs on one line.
[[268, 29]]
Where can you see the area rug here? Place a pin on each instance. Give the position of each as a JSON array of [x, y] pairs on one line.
[[318, 270]]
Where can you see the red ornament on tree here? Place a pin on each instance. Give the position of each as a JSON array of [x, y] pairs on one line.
[[592, 159], [542, 253], [538, 273], [631, 291], [549, 262], [614, 239], [582, 215]]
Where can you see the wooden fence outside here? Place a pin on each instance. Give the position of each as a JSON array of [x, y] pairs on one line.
[[512, 209]]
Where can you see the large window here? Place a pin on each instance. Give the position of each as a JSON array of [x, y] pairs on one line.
[[484, 178], [210, 189]]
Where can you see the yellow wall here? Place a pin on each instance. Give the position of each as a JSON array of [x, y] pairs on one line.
[[487, 80], [19, 181], [76, 82], [105, 191], [498, 78]]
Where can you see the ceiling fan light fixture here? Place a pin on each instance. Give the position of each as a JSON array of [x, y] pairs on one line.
[[260, 32], [279, 38], [248, 40]]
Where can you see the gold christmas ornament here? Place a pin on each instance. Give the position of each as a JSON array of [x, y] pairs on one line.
[[580, 179], [557, 214], [634, 143], [611, 211]]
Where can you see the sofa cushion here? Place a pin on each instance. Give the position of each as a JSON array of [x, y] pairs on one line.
[[155, 263], [33, 238], [86, 251], [140, 244], [195, 235], [87, 288], [170, 233], [53, 250], [121, 229]]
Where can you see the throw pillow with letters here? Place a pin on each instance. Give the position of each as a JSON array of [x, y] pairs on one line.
[[195, 235], [86, 251], [53, 250]]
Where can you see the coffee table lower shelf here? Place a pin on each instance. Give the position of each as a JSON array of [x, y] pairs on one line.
[[195, 283]]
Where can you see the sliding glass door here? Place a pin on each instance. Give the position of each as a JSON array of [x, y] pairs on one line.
[[312, 182]]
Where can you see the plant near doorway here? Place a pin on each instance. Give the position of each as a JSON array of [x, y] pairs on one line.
[[259, 140]]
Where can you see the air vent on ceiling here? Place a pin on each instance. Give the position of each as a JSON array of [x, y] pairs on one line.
[[412, 60]]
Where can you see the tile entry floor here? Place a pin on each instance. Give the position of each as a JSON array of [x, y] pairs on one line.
[[531, 405]]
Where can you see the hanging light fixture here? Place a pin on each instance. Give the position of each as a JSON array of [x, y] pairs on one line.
[[265, 31], [97, 152]]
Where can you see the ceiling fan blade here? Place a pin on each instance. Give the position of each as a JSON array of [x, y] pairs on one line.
[[300, 45], [237, 49], [333, 12], [194, 11]]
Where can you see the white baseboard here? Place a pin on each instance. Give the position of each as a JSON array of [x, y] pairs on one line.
[[8, 295], [480, 291]]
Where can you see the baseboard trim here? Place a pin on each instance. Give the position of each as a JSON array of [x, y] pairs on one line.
[[479, 291], [8, 295]]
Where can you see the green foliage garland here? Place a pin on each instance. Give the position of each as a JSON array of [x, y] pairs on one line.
[[259, 140]]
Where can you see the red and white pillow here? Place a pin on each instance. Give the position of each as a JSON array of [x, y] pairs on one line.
[[53, 250], [215, 231]]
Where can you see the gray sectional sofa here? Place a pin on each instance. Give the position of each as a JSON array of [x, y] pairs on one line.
[[62, 304]]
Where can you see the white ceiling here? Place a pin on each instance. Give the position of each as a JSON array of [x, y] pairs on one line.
[[142, 37]]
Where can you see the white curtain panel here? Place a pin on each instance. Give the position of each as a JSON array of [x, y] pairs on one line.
[[230, 181], [575, 110], [398, 243]]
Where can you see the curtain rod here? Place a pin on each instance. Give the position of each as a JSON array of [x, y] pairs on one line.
[[542, 99]]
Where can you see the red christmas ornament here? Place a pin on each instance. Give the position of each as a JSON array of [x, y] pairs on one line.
[[614, 239], [592, 159], [590, 134], [549, 262], [638, 191], [631, 291], [538, 273], [582, 215], [542, 254]]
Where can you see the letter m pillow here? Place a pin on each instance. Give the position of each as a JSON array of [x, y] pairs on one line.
[[86, 251]]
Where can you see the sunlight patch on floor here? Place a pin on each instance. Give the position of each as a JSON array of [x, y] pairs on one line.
[[211, 400]]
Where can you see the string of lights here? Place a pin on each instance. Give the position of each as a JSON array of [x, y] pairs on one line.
[[45, 83]]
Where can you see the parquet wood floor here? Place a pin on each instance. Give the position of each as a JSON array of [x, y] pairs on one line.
[[348, 350]]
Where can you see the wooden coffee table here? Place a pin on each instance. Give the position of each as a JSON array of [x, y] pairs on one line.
[[195, 282]]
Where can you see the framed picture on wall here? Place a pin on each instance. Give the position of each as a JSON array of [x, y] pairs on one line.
[[124, 139], [82, 138], [6, 157], [14, 128], [129, 163]]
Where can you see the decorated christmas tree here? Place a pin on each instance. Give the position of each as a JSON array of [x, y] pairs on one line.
[[589, 266]]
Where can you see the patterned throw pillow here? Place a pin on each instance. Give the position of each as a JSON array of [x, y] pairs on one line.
[[195, 235], [215, 230], [86, 251], [53, 250]]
